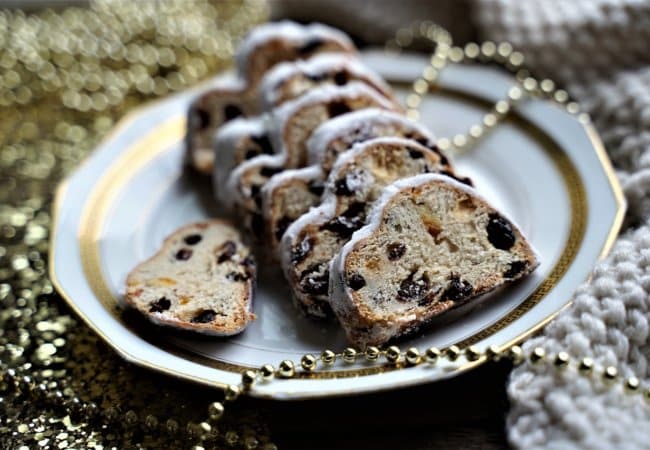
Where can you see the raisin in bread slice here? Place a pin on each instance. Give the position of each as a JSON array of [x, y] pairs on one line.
[[355, 182], [294, 121], [274, 42], [202, 279], [340, 133], [290, 80], [287, 196], [431, 244], [227, 99]]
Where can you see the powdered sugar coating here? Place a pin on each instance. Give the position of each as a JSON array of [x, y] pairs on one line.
[[288, 31], [317, 67], [225, 146], [362, 122]]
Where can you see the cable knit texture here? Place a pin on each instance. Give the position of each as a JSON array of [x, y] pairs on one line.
[[600, 50]]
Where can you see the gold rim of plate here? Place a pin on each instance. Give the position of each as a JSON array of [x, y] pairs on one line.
[[137, 155]]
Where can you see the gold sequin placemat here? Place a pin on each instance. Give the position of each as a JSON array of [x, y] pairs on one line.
[[66, 78]]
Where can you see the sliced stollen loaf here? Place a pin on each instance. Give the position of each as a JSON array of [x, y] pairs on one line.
[[354, 184], [242, 139], [290, 80], [202, 279], [237, 95], [431, 244]]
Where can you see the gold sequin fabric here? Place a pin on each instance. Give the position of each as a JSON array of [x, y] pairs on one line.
[[66, 78]]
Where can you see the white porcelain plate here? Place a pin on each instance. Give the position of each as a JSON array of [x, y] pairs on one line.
[[542, 167]]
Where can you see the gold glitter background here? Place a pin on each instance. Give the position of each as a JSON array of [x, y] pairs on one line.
[[66, 78]]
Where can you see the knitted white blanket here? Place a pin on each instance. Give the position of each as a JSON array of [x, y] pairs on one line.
[[600, 50]]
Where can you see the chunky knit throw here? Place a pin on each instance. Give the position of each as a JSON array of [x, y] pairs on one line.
[[600, 51]]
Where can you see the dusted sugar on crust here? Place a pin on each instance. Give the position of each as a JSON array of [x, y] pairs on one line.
[[355, 182], [289, 80], [236, 142], [275, 42], [294, 121], [339, 134], [286, 197], [226, 100], [430, 244], [202, 279]]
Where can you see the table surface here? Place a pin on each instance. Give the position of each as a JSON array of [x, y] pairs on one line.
[[466, 412]]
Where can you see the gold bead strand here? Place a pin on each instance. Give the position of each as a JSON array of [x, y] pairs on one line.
[[204, 431], [442, 41], [486, 52], [504, 55]]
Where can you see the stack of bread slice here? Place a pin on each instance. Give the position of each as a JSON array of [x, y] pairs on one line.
[[310, 152]]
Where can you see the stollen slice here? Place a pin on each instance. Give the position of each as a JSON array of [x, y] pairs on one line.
[[296, 120], [340, 133], [227, 99], [202, 279], [430, 245], [275, 42]]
